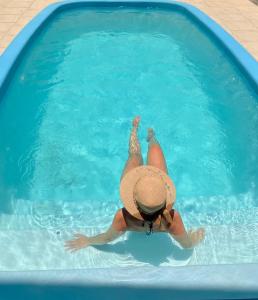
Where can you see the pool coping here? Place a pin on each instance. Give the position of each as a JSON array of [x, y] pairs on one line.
[[186, 281]]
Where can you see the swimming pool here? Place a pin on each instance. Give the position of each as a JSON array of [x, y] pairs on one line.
[[64, 147]]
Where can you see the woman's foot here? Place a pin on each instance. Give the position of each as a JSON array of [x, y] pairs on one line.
[[136, 121], [150, 134]]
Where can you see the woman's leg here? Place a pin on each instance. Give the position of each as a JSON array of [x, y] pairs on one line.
[[135, 156], [155, 156]]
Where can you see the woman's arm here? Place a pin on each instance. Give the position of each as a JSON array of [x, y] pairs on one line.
[[185, 239], [117, 228]]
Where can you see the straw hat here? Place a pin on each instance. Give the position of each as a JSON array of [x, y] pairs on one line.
[[150, 187]]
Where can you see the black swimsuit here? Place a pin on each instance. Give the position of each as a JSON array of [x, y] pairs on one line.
[[135, 224]]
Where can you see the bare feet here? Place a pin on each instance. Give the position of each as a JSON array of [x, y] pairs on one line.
[[150, 134], [196, 236], [136, 121]]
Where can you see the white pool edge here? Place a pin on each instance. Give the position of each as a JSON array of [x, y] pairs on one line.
[[193, 282]]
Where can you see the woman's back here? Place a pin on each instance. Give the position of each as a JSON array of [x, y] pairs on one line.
[[134, 224]]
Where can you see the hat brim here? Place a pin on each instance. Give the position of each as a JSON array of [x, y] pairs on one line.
[[128, 183]]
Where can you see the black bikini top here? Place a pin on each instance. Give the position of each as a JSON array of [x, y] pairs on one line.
[[149, 218]]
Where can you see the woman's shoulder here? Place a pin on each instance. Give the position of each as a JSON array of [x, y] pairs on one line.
[[119, 222]]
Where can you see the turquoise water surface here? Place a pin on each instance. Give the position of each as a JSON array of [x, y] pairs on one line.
[[66, 116]]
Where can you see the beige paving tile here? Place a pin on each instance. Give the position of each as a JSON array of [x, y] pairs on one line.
[[3, 3], [246, 35], [194, 2], [4, 42], [237, 25], [8, 18], [254, 21], [12, 11], [39, 4], [247, 7], [231, 16], [252, 46], [23, 21], [230, 2], [253, 15], [226, 4], [31, 13], [1, 50], [20, 4], [5, 26], [255, 54], [14, 30], [220, 10]]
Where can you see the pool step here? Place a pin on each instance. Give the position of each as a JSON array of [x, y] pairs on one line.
[[40, 249], [45, 219]]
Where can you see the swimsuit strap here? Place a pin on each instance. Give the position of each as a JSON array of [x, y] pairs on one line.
[[172, 213], [127, 214]]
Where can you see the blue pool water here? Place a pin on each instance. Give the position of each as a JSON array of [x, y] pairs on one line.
[[65, 121]]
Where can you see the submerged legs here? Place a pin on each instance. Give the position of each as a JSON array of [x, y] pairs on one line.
[[135, 156], [155, 155]]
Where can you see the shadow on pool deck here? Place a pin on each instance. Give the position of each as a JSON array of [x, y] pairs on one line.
[[154, 249]]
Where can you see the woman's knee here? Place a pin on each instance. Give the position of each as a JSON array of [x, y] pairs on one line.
[[156, 158], [155, 150], [134, 161]]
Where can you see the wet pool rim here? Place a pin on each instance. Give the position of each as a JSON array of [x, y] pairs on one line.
[[239, 281]]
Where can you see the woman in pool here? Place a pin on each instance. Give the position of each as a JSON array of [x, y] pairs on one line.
[[148, 195]]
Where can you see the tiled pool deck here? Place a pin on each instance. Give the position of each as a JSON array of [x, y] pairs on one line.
[[238, 17]]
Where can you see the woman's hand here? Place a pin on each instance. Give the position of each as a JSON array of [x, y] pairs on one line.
[[117, 228], [80, 241], [196, 236]]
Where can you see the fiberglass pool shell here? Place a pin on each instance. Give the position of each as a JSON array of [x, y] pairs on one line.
[[202, 278]]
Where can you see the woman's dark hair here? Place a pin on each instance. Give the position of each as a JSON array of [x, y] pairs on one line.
[[162, 213]]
